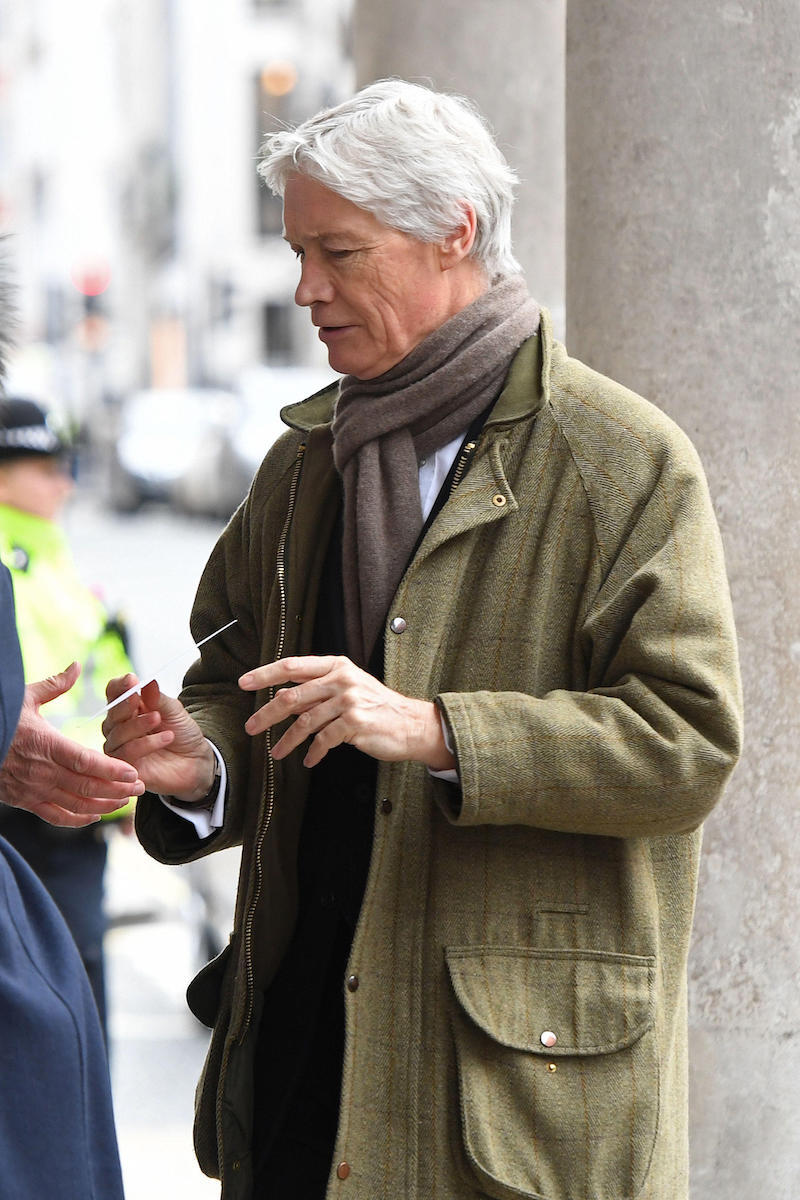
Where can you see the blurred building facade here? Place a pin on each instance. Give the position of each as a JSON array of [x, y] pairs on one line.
[[146, 249]]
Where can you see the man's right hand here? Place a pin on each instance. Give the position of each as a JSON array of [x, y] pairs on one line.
[[156, 735]]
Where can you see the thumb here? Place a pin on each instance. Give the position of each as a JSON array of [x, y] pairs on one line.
[[48, 689], [151, 695]]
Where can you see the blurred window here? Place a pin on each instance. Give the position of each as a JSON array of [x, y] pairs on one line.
[[39, 195], [277, 333], [55, 313], [221, 300], [271, 113]]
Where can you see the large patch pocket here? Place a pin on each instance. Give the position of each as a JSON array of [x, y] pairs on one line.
[[558, 1071]]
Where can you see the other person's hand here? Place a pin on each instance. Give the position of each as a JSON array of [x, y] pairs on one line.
[[59, 780], [156, 735], [334, 701]]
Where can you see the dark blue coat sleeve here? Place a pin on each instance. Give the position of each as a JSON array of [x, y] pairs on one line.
[[11, 677], [57, 1135]]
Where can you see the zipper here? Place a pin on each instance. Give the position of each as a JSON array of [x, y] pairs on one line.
[[462, 464], [268, 791], [266, 808]]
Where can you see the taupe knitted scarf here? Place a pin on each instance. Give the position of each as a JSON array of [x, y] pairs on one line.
[[383, 426]]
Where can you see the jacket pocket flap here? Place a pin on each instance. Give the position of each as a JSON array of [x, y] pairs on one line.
[[592, 1002], [204, 992]]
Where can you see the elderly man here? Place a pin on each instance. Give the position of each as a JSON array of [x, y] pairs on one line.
[[481, 693]]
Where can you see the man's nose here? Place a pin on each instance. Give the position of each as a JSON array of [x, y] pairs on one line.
[[314, 286]]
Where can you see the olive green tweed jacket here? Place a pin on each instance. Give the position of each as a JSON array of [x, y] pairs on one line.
[[519, 1028]]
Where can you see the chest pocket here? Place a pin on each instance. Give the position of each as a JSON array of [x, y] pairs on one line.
[[558, 1071]]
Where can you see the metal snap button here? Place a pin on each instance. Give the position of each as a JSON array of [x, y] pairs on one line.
[[498, 500], [343, 1170], [548, 1038], [398, 625], [352, 983]]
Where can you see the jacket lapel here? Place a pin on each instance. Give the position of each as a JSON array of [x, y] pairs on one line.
[[309, 537]]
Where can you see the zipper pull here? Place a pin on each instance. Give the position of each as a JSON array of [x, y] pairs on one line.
[[466, 455]]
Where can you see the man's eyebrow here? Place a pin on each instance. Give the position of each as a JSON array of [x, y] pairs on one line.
[[326, 234]]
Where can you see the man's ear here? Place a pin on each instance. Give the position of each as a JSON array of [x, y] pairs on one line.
[[458, 245]]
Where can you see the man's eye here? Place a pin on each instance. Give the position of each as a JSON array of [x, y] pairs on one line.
[[340, 253]]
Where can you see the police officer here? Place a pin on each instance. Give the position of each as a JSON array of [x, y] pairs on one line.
[[59, 619]]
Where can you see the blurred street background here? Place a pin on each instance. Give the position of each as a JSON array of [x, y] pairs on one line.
[[147, 252], [157, 324]]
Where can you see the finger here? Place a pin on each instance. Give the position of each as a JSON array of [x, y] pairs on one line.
[[118, 734], [121, 683], [44, 690], [35, 785], [151, 695], [334, 734], [126, 704], [77, 792], [88, 764], [290, 702], [86, 808], [286, 670], [27, 777], [306, 725], [118, 717], [138, 749], [54, 814], [87, 805]]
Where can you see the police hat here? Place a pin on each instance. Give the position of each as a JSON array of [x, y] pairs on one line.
[[24, 430]]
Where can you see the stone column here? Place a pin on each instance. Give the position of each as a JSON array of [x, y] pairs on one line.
[[683, 282], [507, 56]]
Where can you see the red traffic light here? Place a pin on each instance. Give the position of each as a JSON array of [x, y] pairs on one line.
[[91, 280]]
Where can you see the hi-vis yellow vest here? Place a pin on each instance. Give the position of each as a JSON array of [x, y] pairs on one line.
[[59, 619]]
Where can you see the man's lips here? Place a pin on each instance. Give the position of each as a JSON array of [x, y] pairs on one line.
[[332, 332]]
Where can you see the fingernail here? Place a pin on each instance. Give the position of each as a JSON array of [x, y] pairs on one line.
[[246, 681]]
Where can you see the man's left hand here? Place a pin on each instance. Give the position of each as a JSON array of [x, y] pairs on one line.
[[333, 701]]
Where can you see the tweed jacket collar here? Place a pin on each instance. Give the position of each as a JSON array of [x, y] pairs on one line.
[[515, 402]]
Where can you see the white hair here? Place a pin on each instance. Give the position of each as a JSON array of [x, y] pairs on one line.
[[410, 156]]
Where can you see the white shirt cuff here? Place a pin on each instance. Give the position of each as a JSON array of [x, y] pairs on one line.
[[206, 819], [451, 774]]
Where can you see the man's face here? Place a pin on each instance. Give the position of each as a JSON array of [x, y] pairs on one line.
[[374, 293], [35, 485]]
